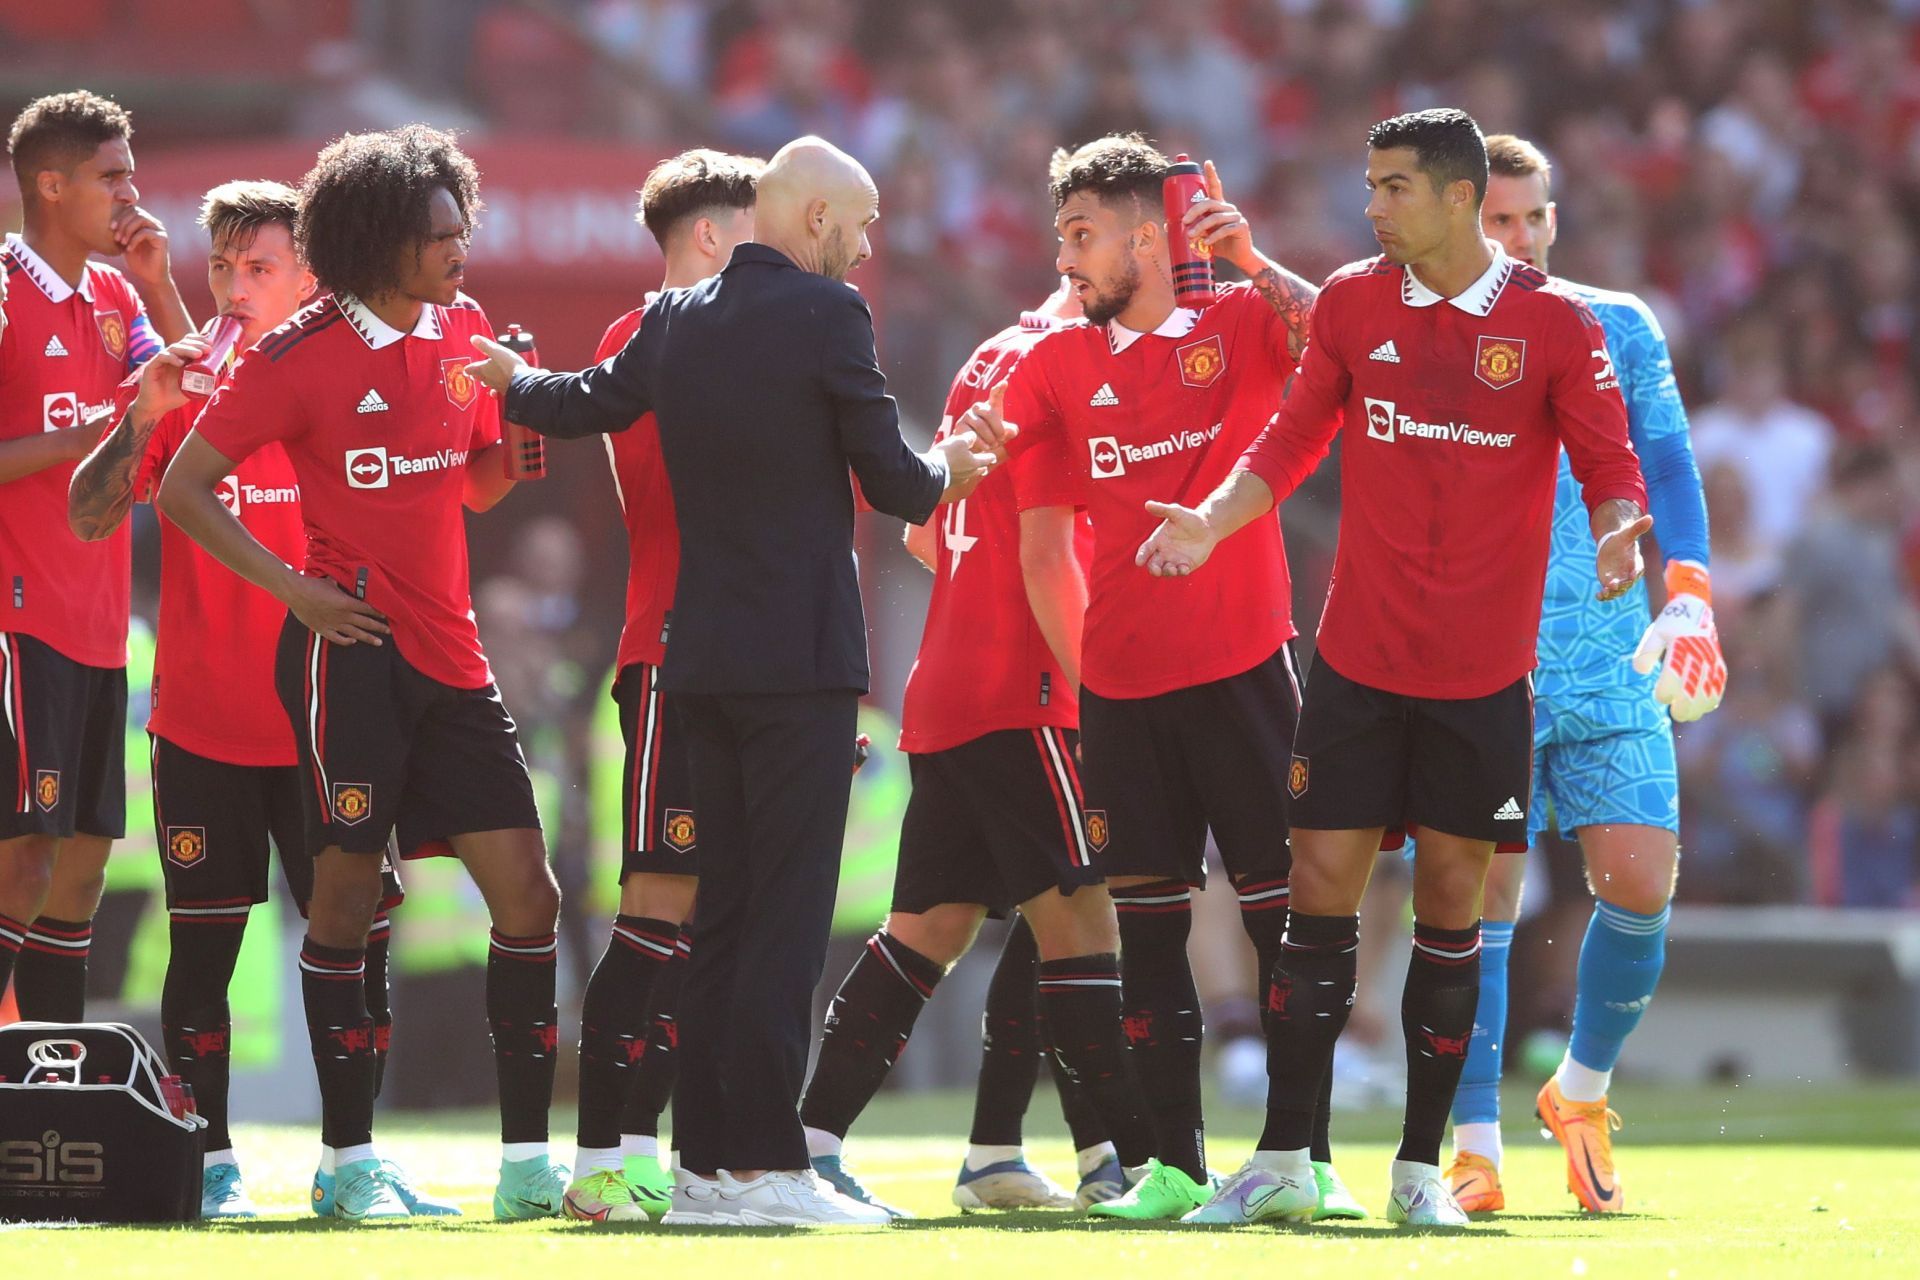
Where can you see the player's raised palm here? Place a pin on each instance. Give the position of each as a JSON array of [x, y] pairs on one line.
[[1180, 545]]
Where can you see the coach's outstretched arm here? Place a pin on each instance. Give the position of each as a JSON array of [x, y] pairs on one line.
[[609, 397]]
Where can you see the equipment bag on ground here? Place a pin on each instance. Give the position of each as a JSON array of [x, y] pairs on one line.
[[93, 1128]]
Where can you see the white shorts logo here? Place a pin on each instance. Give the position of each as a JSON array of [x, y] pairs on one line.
[[1104, 452], [59, 410], [367, 468], [1380, 416]]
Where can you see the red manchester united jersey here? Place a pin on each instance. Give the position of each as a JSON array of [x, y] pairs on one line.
[[64, 354], [213, 689], [984, 664], [378, 426], [1454, 411], [646, 502], [1163, 416]]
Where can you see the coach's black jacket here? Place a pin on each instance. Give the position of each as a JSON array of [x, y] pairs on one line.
[[766, 389]]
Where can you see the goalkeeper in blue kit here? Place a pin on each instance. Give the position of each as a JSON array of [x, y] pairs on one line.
[[1603, 747]]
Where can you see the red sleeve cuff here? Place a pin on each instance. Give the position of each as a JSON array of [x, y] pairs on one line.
[[1625, 489], [1268, 468]]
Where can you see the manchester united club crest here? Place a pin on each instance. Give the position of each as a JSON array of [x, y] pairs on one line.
[[352, 802], [1201, 362], [678, 830], [1098, 831], [461, 387], [1297, 777], [186, 845], [46, 789], [113, 332], [1499, 362]]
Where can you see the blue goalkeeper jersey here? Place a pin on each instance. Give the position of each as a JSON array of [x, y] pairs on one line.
[[1586, 645]]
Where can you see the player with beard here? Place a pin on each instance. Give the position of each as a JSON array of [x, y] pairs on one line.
[[1458, 374], [73, 330], [1186, 728], [397, 723], [1603, 748]]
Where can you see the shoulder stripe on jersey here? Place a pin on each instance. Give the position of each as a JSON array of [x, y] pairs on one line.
[[277, 351], [1528, 278]]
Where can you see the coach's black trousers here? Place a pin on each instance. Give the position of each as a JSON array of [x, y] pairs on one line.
[[771, 778]]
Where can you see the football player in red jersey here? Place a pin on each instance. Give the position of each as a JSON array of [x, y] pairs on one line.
[[997, 818], [74, 329], [398, 725], [698, 205], [1458, 374], [1187, 728], [225, 780]]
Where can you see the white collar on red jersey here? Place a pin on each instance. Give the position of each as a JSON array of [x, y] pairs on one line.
[[1177, 325], [377, 333], [36, 269], [1476, 299]]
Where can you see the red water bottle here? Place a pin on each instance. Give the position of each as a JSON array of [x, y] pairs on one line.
[[1192, 259], [203, 375], [526, 452]]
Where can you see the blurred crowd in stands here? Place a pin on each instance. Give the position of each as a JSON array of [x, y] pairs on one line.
[[1750, 167]]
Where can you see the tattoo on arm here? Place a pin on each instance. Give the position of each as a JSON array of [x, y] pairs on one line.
[[102, 489], [1293, 298]]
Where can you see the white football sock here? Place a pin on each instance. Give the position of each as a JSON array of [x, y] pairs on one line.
[[1090, 1158], [821, 1143], [523, 1151], [979, 1157], [1582, 1084], [1481, 1138], [592, 1159]]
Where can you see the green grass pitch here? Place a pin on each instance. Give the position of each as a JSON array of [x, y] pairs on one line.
[[1736, 1182]]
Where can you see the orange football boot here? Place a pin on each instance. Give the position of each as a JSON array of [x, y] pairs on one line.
[[1475, 1183], [1585, 1131]]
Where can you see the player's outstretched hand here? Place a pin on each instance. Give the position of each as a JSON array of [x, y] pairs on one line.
[[967, 463], [1685, 645], [1180, 545], [497, 368], [987, 422], [330, 613], [160, 391], [1617, 559]]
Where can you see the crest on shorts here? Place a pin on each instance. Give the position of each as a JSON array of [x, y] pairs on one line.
[[186, 845], [1499, 362], [678, 831], [1201, 362], [352, 801], [1297, 777], [113, 332], [1097, 830], [46, 789], [461, 387]]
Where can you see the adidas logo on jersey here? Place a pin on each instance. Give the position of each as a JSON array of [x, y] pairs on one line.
[[372, 403], [54, 346], [1510, 811], [1104, 397], [1385, 352]]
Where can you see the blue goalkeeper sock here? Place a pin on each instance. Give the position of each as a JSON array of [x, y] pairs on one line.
[[1478, 1099], [1620, 964]]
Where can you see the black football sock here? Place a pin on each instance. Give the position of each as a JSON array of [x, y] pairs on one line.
[[1308, 1002], [1436, 1013], [613, 1021], [1080, 999], [50, 978], [1076, 1108], [651, 1088], [1263, 914], [1321, 1148], [521, 1014], [1009, 1044], [12, 934], [333, 986], [867, 1025], [379, 997], [194, 1018], [1160, 1016]]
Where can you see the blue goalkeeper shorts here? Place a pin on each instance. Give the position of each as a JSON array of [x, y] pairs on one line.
[[1602, 758]]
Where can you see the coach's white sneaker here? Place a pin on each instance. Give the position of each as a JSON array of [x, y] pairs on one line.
[[798, 1198], [699, 1203], [1421, 1199]]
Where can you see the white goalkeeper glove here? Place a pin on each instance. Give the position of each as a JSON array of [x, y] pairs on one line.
[[1683, 643]]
